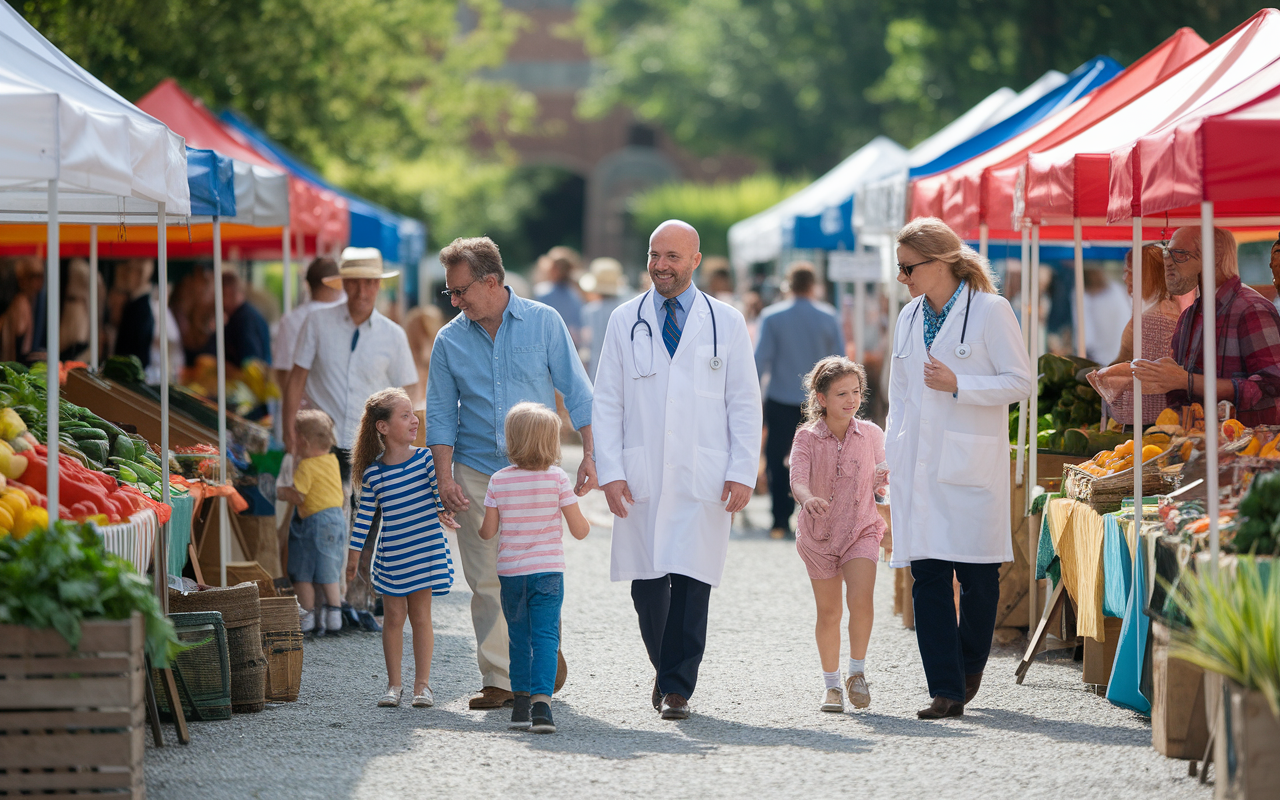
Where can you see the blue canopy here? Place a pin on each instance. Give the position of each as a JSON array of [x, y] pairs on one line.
[[1058, 252], [211, 178], [830, 230], [1084, 79], [371, 224]]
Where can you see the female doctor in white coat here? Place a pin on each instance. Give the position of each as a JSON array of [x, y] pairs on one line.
[[958, 361], [676, 419]]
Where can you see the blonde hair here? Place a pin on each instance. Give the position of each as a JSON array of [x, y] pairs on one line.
[[934, 239], [819, 380], [315, 427], [533, 436], [369, 442]]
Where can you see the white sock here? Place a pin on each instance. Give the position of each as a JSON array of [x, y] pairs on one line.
[[831, 679], [857, 665]]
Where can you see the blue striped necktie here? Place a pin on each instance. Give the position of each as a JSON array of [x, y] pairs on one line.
[[671, 328]]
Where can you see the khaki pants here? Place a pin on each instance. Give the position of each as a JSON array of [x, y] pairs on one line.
[[480, 568]]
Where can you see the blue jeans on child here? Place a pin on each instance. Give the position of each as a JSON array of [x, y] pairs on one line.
[[531, 604], [317, 546]]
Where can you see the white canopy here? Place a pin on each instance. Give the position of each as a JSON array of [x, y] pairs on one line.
[[882, 205], [59, 123], [764, 236]]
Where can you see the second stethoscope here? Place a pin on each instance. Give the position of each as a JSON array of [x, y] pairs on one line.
[[716, 361], [962, 350]]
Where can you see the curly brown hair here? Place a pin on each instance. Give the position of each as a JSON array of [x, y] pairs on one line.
[[819, 380], [369, 444]]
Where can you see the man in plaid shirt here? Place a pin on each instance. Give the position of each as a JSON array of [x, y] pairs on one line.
[[1248, 339]]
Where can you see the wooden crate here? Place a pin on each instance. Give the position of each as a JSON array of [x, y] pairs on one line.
[[1244, 761], [1099, 656], [73, 720], [1179, 728]]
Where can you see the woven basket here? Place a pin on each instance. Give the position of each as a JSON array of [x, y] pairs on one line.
[[1104, 494], [203, 673], [239, 604], [280, 614], [282, 644], [248, 667]]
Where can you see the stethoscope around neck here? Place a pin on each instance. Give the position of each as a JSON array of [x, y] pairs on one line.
[[716, 361], [962, 350]]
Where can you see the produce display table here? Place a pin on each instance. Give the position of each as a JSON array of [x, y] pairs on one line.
[[180, 531], [134, 541]]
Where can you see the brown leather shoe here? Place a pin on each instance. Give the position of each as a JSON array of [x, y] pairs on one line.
[[941, 707], [562, 672], [674, 706], [971, 684], [491, 697], [657, 695]]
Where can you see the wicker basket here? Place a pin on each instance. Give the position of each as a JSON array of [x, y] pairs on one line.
[[241, 614], [1104, 494], [282, 644], [203, 673]]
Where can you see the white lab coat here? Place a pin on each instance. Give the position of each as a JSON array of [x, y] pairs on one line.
[[949, 457], [675, 436]]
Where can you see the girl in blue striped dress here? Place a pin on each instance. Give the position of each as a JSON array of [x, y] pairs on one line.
[[411, 561]]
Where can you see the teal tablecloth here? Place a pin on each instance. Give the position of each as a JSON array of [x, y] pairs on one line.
[[180, 531]]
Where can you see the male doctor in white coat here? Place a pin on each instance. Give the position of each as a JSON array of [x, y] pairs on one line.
[[677, 420]]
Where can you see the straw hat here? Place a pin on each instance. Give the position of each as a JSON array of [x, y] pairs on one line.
[[605, 277], [359, 262]]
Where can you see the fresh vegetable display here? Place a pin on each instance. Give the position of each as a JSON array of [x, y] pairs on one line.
[[1070, 410], [56, 576], [1259, 527]]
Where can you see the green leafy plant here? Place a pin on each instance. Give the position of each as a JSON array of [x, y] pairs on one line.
[[57, 578], [1259, 529], [1235, 625]]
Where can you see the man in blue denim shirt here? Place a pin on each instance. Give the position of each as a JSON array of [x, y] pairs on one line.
[[500, 351]]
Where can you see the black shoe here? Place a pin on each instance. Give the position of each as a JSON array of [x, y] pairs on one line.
[[542, 722], [369, 623], [520, 707], [657, 695]]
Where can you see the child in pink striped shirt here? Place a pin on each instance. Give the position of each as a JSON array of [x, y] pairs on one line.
[[523, 507]]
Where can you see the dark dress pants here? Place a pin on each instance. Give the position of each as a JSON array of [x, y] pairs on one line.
[[782, 421], [673, 624], [950, 650]]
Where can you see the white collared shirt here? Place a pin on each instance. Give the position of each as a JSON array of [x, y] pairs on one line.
[[341, 377], [288, 328]]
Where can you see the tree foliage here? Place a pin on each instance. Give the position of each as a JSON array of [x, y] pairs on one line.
[[802, 83], [364, 89], [710, 208]]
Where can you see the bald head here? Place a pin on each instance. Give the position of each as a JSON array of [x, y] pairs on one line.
[[673, 256]]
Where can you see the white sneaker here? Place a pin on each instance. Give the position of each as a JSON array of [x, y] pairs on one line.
[[833, 700], [332, 619], [392, 698], [308, 622], [425, 699]]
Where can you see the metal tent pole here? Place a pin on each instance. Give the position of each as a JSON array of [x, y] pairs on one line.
[[1033, 419], [1077, 233], [220, 343], [1209, 301], [1137, 384], [983, 234], [288, 278], [52, 292], [162, 268], [1023, 290], [95, 319]]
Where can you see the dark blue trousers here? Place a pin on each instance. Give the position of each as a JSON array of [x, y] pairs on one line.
[[673, 624], [951, 650]]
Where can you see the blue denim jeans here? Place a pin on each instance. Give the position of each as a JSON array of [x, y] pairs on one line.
[[531, 604]]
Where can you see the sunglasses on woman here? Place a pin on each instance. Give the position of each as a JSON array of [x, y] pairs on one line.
[[905, 269]]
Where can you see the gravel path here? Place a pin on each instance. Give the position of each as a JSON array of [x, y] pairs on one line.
[[755, 727]]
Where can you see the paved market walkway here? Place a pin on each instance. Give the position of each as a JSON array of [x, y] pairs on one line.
[[755, 731]]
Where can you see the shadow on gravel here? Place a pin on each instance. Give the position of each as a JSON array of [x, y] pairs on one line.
[[886, 725], [1058, 729]]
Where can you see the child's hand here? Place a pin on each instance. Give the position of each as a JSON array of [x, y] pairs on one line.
[[448, 519], [816, 506], [353, 563]]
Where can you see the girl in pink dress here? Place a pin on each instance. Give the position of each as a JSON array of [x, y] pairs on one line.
[[837, 469]]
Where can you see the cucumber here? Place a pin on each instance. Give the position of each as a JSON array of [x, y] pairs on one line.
[[72, 424], [127, 475], [106, 427], [140, 446], [143, 474], [87, 433], [96, 450], [122, 447]]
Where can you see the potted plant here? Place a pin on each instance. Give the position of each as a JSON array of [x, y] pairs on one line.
[[1235, 631], [75, 623]]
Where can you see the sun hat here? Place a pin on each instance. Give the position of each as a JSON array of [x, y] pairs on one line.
[[359, 262], [604, 277]]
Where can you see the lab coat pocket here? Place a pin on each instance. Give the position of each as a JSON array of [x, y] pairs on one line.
[[969, 459], [635, 465], [709, 475], [707, 382]]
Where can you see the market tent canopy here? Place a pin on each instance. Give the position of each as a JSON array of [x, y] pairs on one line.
[[1224, 152], [966, 196], [881, 204], [764, 236], [371, 224], [1055, 91], [61, 124], [1071, 179], [211, 179]]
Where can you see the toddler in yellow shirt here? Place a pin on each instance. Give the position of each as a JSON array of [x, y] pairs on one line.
[[318, 533]]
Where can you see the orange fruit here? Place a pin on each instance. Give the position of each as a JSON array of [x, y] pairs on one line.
[[1232, 429], [1150, 451]]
